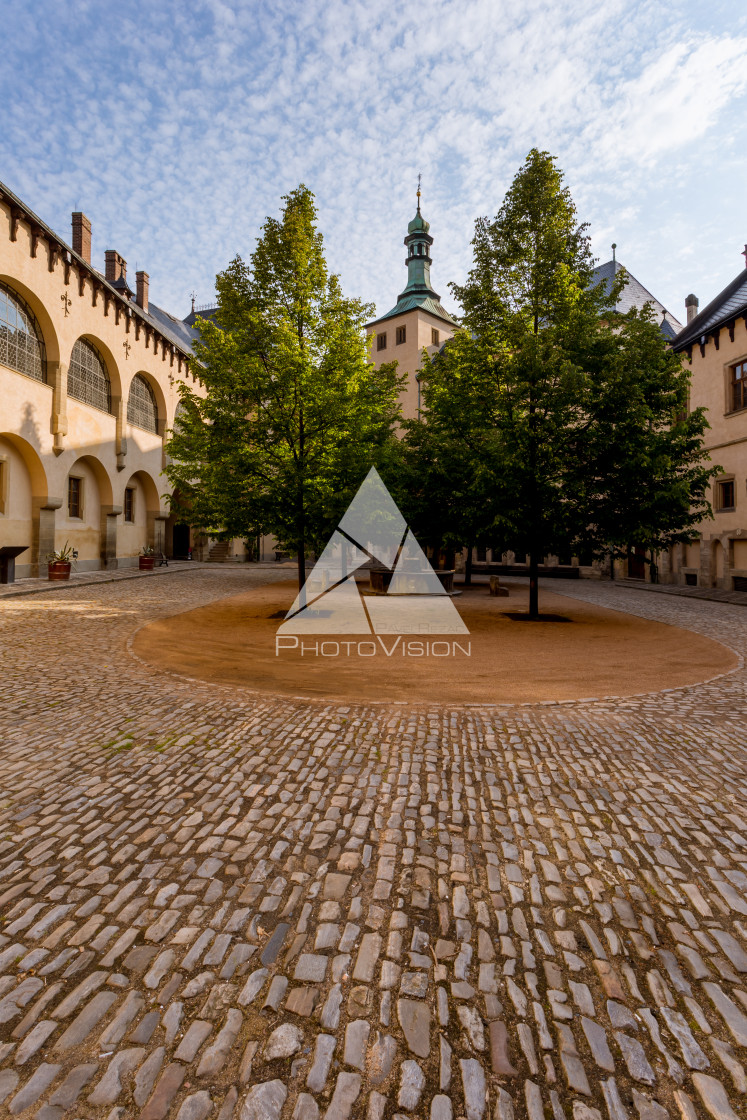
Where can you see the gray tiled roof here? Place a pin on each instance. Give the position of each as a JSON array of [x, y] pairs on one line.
[[635, 295], [417, 302], [729, 303], [168, 325]]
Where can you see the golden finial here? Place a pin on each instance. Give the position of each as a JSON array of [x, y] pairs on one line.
[[419, 178]]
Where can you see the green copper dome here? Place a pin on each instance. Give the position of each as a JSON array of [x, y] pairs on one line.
[[418, 223], [419, 293]]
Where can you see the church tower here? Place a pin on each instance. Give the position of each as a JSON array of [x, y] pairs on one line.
[[416, 321]]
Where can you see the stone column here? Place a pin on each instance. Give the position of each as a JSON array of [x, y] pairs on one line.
[[57, 378], [706, 576], [729, 560], [43, 516], [120, 439], [109, 524]]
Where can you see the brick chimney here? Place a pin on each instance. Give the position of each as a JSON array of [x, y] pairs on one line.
[[142, 290], [691, 306], [82, 236], [116, 266]]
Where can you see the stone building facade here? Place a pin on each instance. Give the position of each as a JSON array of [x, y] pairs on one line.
[[89, 375], [416, 322], [714, 343]]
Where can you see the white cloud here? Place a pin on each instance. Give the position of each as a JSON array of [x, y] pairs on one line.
[[177, 128]]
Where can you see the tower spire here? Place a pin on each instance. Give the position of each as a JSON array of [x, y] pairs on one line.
[[418, 242]]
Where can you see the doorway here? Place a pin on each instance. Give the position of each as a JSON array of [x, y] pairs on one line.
[[180, 546], [637, 563]]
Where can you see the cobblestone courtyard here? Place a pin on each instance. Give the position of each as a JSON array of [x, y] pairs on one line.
[[219, 905]]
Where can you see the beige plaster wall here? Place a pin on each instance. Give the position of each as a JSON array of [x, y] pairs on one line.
[[408, 355], [134, 534], [83, 532], [15, 497], [56, 430], [726, 442]]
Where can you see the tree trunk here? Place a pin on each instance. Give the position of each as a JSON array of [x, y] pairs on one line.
[[612, 564], [468, 567], [533, 584], [302, 569], [301, 523]]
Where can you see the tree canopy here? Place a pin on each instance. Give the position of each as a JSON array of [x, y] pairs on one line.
[[294, 413], [574, 416]]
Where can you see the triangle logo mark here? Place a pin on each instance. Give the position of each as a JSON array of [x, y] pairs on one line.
[[330, 601]]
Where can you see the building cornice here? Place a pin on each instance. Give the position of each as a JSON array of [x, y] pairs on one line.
[[124, 308]]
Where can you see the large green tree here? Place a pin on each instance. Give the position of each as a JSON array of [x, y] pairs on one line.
[[444, 485], [535, 383], [638, 473], [294, 413]]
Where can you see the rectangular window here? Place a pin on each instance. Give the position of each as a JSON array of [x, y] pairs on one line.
[[129, 504], [381, 341], [3, 482], [73, 497], [434, 337], [726, 495], [739, 387], [401, 335]]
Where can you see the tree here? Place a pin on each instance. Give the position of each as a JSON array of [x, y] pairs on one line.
[[535, 383], [444, 481], [294, 414], [639, 472], [531, 315]]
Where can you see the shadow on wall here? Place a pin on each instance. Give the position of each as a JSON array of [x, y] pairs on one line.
[[30, 428]]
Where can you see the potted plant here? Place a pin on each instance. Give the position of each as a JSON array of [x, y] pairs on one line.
[[60, 562], [147, 558]]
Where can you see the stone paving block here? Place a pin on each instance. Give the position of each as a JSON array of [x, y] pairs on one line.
[[583, 863], [111, 1084], [167, 1086], [38, 1083], [264, 1101]]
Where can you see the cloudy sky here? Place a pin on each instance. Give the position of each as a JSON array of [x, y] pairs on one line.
[[177, 127]]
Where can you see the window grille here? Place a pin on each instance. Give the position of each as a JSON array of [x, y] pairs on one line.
[[87, 379], [141, 405], [401, 335], [129, 504], [381, 341], [21, 343], [73, 497]]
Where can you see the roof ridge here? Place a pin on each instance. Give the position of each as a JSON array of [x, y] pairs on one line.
[[694, 329], [48, 232]]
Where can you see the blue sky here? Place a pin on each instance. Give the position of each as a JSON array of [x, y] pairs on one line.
[[177, 127]]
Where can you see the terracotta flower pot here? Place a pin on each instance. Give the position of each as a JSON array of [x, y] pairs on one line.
[[146, 563], [59, 569]]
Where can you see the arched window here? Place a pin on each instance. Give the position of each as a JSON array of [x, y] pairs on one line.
[[141, 405], [21, 342], [87, 379]]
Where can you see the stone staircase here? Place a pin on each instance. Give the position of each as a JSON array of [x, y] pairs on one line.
[[219, 552]]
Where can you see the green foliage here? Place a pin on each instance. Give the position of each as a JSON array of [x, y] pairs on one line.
[[568, 412], [638, 472], [294, 413], [64, 555]]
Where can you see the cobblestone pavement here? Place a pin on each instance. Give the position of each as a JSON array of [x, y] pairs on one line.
[[219, 905]]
